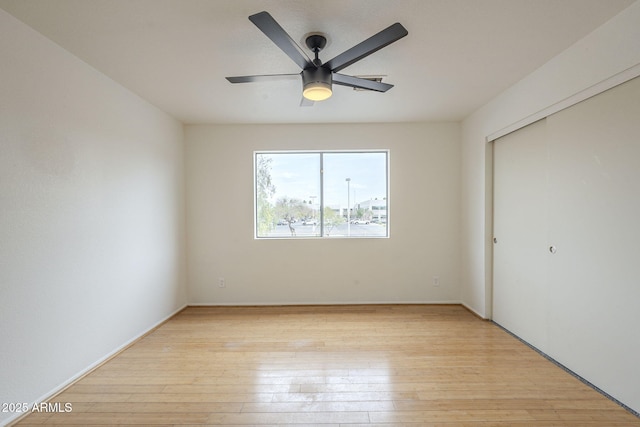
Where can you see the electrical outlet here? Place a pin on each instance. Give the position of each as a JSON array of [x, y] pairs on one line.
[[436, 281], [221, 282]]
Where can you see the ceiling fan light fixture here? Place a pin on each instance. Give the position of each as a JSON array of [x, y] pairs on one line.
[[317, 91], [316, 84]]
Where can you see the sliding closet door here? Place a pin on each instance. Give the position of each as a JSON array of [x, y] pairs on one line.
[[567, 224], [594, 277], [520, 231]]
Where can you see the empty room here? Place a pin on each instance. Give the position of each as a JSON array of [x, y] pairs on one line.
[[336, 213]]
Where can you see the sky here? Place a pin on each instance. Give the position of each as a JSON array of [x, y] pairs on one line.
[[297, 175]]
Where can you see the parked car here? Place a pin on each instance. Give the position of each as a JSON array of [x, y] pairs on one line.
[[360, 221], [310, 222]]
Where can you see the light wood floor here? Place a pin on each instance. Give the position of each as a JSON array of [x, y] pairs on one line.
[[332, 366]]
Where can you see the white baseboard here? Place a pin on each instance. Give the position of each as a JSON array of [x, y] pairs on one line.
[[294, 303], [474, 311]]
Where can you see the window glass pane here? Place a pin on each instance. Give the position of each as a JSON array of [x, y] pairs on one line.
[[355, 194], [287, 194], [321, 194]]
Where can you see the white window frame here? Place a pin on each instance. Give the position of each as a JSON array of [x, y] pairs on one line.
[[321, 235]]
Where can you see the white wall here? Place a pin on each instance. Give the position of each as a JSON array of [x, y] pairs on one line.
[[424, 206], [609, 50], [91, 217]]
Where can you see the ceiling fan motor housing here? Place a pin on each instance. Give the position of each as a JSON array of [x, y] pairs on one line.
[[316, 83]]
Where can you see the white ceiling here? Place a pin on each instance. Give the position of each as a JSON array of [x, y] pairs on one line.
[[176, 53]]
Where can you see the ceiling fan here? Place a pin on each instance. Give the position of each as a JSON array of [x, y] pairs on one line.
[[318, 77]]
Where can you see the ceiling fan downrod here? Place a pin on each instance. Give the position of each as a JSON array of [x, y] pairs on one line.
[[316, 42]]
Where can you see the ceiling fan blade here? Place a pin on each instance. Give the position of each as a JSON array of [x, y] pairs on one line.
[[279, 36], [374, 43], [262, 78], [304, 102], [344, 80]]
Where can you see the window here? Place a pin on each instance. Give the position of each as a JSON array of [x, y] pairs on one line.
[[331, 194]]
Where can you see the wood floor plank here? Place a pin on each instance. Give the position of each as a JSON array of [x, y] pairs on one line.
[[373, 365]]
